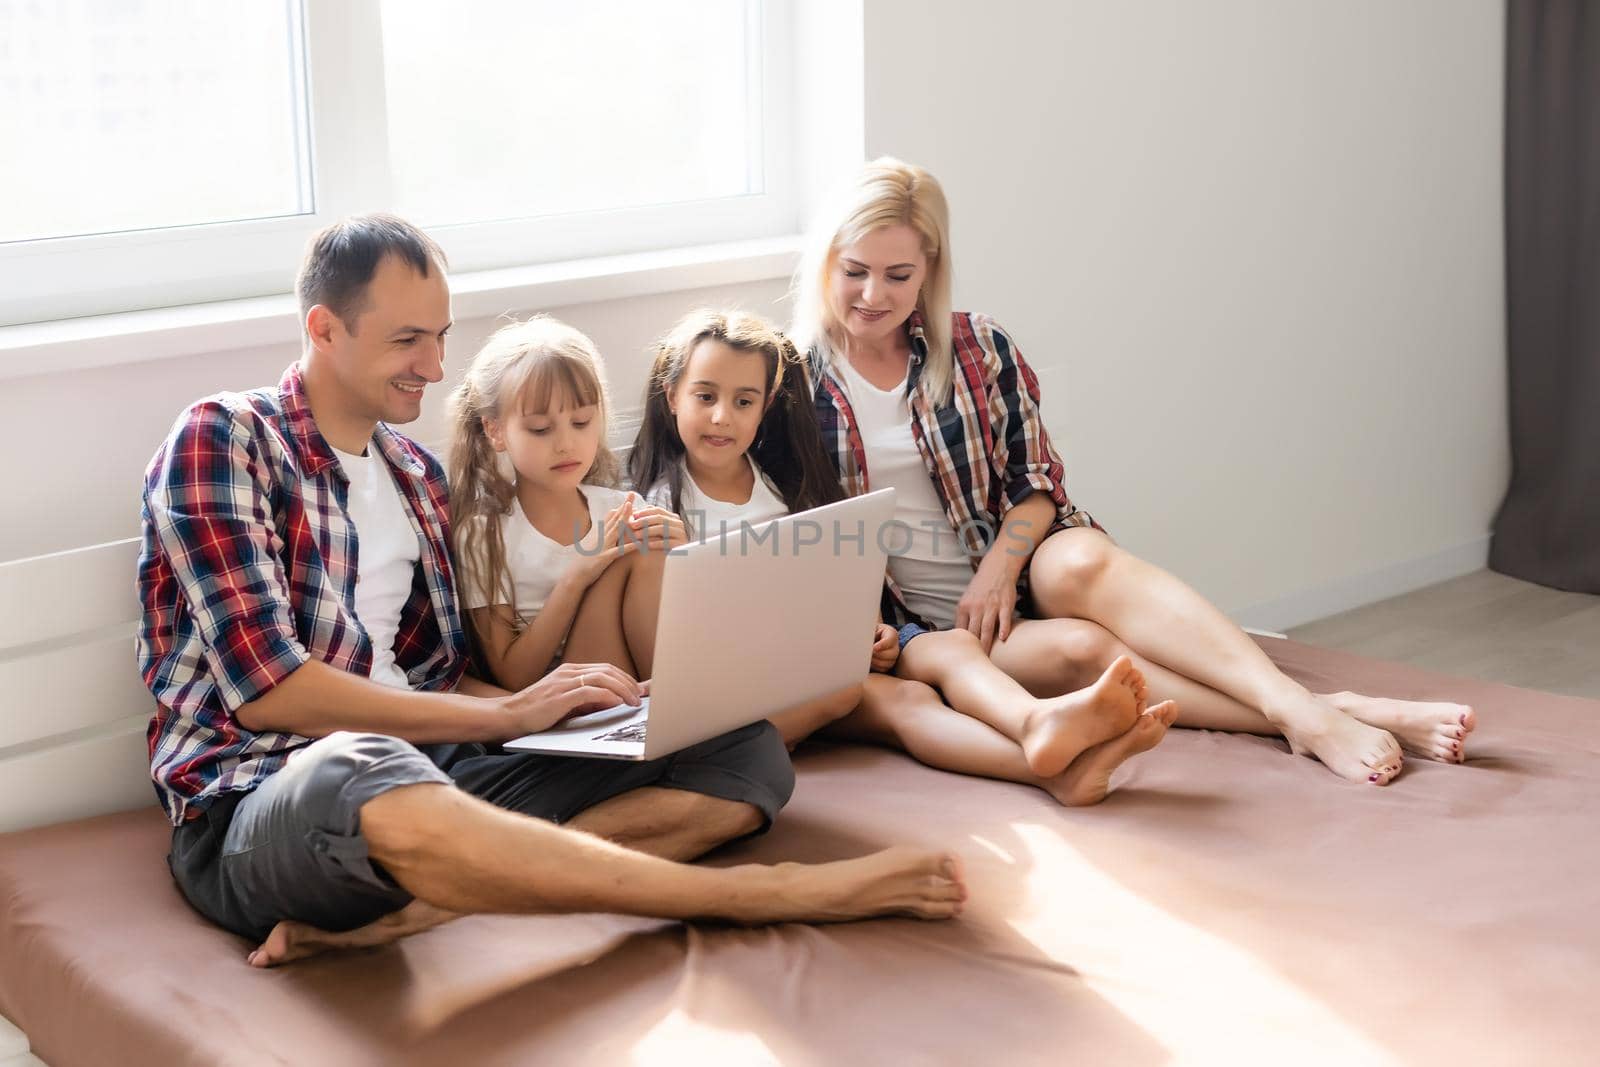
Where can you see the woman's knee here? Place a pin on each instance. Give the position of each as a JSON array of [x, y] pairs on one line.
[[1067, 566]]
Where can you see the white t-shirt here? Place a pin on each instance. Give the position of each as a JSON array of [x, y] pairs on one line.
[[705, 516], [386, 557], [536, 563], [927, 561]]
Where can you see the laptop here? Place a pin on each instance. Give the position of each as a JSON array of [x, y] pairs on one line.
[[753, 620]]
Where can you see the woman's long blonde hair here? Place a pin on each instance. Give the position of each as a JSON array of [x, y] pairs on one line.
[[887, 192], [532, 365]]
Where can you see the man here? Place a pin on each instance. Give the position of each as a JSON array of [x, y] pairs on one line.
[[326, 763]]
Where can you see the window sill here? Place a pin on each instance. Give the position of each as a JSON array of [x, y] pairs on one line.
[[197, 329]]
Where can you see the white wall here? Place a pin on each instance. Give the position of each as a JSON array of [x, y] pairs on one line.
[[76, 444], [1254, 249]]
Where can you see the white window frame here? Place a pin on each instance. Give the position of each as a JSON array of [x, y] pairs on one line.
[[74, 277]]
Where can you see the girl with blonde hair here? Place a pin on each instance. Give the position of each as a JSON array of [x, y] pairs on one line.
[[551, 555], [561, 572], [941, 405]]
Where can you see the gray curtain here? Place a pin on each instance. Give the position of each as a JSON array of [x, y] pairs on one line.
[[1548, 528]]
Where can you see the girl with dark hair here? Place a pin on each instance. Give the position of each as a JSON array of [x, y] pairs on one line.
[[730, 438], [726, 404], [757, 448]]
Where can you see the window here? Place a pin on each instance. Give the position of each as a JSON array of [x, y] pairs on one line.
[[177, 151], [133, 119]]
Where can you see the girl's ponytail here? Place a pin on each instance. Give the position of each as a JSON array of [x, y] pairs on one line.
[[658, 451], [480, 494]]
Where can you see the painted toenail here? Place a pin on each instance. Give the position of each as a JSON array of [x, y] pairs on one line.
[[1372, 777]]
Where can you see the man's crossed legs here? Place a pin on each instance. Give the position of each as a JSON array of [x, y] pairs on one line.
[[363, 838]]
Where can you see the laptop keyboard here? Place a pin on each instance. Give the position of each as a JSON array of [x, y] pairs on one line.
[[634, 731]]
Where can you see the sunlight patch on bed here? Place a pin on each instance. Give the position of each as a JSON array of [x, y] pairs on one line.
[[681, 1038], [1232, 1006], [999, 853]]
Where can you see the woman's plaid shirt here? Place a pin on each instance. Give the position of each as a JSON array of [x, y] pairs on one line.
[[248, 570], [986, 449]]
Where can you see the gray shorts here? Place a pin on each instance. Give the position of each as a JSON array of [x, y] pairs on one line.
[[292, 847]]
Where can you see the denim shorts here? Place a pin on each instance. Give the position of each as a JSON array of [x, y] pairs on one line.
[[908, 631]]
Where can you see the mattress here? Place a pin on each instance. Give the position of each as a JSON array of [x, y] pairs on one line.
[[1229, 902]]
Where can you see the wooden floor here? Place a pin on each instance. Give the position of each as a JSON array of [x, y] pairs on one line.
[[1483, 625]]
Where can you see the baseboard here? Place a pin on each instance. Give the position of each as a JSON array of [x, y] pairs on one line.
[[1358, 590]]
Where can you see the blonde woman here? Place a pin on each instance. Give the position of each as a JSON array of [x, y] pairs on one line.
[[941, 405]]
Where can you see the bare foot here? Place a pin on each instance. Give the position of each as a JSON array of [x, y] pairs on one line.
[[1347, 747], [1436, 731], [1087, 779], [291, 941], [897, 881], [1062, 727]]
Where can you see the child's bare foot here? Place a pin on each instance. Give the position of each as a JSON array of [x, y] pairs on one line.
[[1436, 731], [1062, 727], [290, 941], [1347, 747], [897, 881], [1088, 779]]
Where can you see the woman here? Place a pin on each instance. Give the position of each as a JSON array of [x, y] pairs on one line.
[[942, 406]]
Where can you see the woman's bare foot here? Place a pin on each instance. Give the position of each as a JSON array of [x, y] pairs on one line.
[[291, 941], [1059, 729], [1087, 779], [897, 881], [1347, 747], [1436, 731]]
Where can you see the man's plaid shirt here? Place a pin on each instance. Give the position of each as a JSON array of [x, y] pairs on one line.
[[248, 570], [986, 449]]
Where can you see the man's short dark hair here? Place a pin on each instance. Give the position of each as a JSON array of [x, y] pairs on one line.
[[341, 260]]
